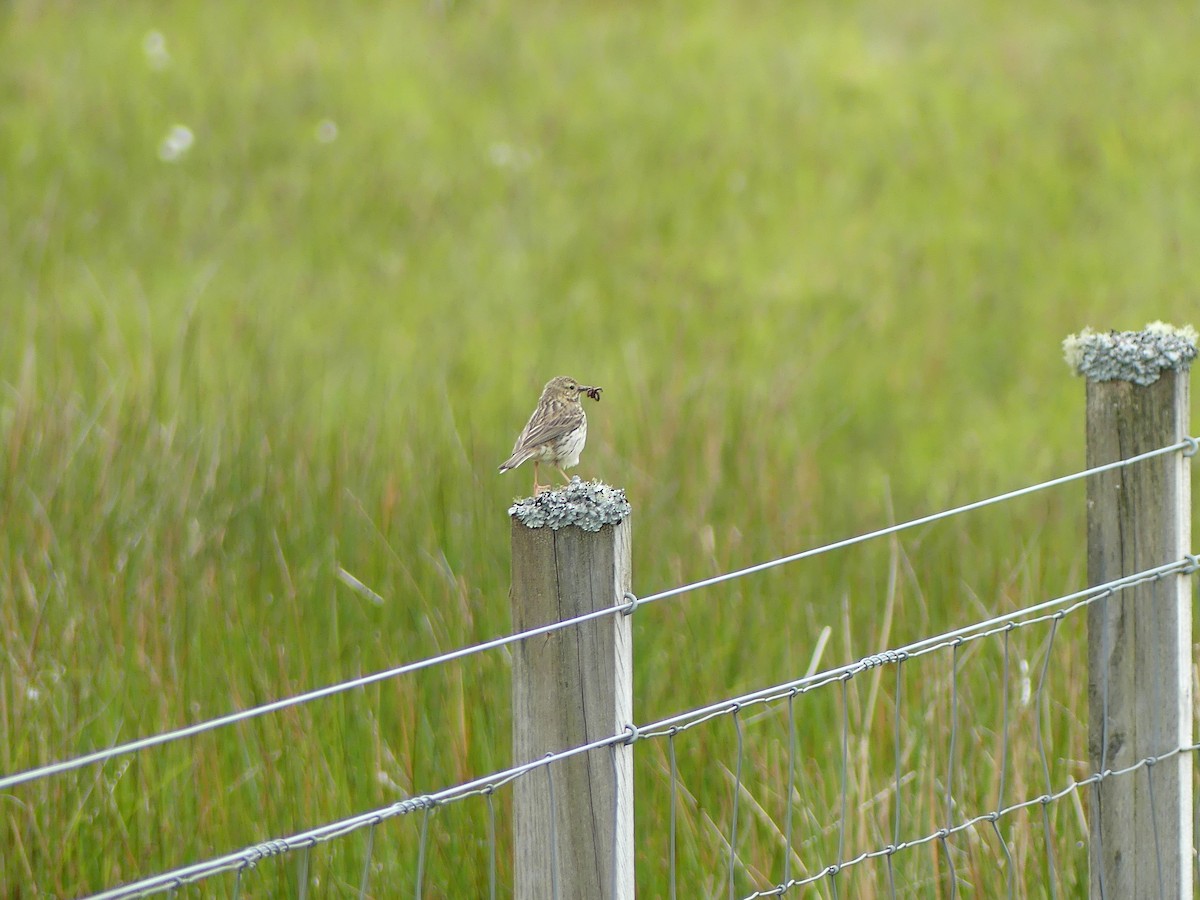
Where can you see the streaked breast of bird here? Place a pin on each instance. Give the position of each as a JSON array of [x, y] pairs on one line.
[[565, 452]]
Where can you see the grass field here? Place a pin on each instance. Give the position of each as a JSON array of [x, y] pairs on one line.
[[821, 257]]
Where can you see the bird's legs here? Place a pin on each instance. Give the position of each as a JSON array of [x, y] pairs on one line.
[[537, 486]]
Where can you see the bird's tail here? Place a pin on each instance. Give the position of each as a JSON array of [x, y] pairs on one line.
[[515, 460]]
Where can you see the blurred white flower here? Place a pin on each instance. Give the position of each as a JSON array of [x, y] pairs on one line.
[[504, 155], [177, 142], [501, 154], [327, 131], [155, 47]]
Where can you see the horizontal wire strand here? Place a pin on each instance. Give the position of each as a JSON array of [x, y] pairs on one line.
[[989, 817], [668, 727], [250, 856], [989, 627], [1187, 446], [99, 756], [247, 858]]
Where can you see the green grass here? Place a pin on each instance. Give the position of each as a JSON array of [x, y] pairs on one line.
[[821, 259]]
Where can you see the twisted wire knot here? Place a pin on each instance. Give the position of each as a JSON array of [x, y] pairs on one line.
[[882, 659]]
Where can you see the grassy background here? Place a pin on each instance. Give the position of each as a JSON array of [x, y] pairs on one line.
[[821, 258]]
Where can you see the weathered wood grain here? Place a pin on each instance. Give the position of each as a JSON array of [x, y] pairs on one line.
[[1139, 641], [572, 687]]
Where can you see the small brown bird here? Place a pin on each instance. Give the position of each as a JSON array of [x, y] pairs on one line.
[[556, 431]]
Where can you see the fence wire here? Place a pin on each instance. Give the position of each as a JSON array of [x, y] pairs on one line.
[[1188, 446], [1051, 611], [954, 823], [1043, 800]]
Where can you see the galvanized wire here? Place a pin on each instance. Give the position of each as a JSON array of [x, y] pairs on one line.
[[1011, 874], [674, 801], [100, 756], [616, 822], [491, 844], [1040, 711], [1043, 800], [1105, 637], [791, 787], [896, 795], [1186, 446], [737, 791], [553, 832], [667, 727], [1037, 613], [841, 851], [1099, 832], [1162, 888], [950, 767]]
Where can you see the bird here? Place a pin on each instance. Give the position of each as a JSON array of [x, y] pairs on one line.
[[557, 430]]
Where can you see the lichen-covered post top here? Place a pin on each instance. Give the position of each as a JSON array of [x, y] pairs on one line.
[[1136, 356], [589, 504]]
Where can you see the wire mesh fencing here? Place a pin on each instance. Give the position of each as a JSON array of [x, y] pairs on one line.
[[935, 781], [955, 765], [931, 784]]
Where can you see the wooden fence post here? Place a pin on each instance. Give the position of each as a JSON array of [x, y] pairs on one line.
[[570, 556], [1139, 639]]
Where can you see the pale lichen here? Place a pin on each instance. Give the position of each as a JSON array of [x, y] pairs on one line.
[[1137, 356], [588, 504]]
